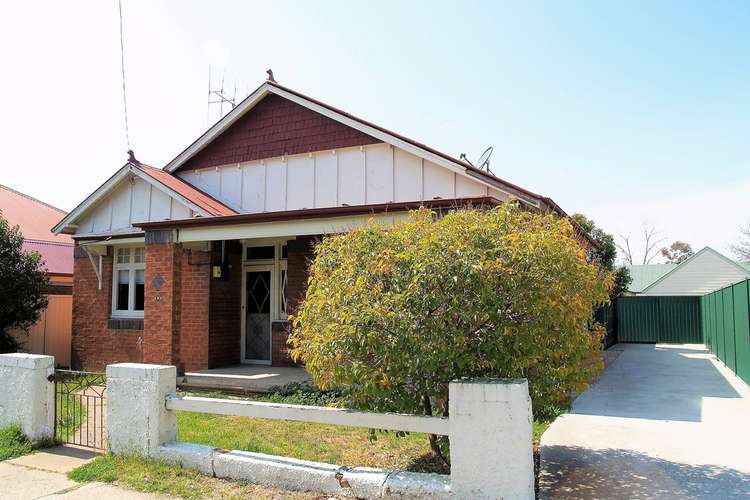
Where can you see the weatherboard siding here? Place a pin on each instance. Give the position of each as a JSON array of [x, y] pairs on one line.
[[131, 201], [362, 175], [705, 272]]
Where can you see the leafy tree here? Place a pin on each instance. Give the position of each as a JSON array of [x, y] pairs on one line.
[[677, 252], [393, 314], [22, 283], [605, 254]]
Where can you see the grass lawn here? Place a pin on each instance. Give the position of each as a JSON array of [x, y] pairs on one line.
[[13, 443], [156, 477], [317, 442]]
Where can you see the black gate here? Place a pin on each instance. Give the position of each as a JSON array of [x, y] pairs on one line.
[[80, 408]]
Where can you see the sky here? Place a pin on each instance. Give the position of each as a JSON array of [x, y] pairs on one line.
[[629, 112]]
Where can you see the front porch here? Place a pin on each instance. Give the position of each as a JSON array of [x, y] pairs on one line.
[[246, 378]]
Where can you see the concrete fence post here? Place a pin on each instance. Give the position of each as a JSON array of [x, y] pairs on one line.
[[138, 421], [491, 439], [27, 394]]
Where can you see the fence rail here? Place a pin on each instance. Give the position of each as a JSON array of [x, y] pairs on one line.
[[313, 414]]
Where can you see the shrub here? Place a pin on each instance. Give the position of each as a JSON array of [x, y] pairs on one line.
[[22, 283], [14, 443], [392, 314]]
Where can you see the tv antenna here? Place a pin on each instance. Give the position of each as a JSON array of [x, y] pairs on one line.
[[218, 97], [483, 163]]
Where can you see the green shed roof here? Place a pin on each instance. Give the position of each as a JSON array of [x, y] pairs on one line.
[[644, 275]]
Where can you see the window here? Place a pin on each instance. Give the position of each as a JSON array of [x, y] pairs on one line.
[[261, 253], [129, 281], [272, 252], [283, 314]]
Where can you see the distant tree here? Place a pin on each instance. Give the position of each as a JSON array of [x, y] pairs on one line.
[[604, 254], [742, 248], [651, 240], [677, 252], [22, 283]]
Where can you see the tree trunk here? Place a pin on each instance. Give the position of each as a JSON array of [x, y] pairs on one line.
[[434, 438]]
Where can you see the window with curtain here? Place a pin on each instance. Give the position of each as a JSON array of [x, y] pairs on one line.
[[129, 282]]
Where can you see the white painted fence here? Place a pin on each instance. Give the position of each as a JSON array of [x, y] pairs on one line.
[[490, 427], [313, 414]]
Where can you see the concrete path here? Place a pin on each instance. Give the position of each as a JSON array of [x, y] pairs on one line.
[[664, 421], [43, 475]]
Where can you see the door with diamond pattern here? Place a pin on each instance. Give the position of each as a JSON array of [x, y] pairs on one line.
[[258, 316]]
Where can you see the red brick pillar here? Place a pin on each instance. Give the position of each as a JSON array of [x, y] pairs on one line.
[[196, 267], [161, 315]]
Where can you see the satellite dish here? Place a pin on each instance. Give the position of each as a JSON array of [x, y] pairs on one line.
[[484, 161]]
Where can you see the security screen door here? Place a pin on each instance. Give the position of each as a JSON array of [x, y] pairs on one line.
[[258, 316]]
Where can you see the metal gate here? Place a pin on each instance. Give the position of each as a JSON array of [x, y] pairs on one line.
[[80, 408]]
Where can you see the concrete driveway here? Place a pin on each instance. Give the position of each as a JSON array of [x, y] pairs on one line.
[[663, 421]]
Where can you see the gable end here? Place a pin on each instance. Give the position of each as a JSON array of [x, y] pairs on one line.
[[276, 127]]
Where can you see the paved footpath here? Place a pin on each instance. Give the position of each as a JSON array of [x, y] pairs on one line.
[[663, 421], [43, 475]]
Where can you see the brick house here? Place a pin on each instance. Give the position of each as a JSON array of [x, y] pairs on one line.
[[199, 264]]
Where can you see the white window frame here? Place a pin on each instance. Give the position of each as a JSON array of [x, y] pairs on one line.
[[132, 267], [279, 264]]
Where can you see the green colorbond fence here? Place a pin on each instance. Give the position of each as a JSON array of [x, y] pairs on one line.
[[720, 320], [726, 326], [659, 319]]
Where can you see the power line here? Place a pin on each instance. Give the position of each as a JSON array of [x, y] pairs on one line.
[[122, 61]]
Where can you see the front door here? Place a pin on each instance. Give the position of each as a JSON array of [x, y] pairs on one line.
[[257, 334]]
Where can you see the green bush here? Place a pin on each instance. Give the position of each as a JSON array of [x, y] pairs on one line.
[[14, 443], [296, 393], [392, 314]]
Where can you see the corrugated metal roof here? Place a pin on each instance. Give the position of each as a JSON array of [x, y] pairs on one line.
[[34, 217], [58, 257], [644, 275]]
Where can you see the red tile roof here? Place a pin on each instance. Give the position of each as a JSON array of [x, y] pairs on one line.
[[203, 200], [58, 257]]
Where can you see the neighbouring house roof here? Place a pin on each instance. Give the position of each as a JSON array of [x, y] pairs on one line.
[[644, 275], [702, 273], [58, 257], [34, 218]]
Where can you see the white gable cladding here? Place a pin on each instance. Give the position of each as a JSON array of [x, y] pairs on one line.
[[705, 272], [378, 173], [132, 200]]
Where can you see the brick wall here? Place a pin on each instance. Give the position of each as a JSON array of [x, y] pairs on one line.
[[194, 323], [224, 312], [274, 127], [93, 344], [161, 317]]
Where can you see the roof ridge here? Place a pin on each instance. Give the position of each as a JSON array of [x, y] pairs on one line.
[[362, 121], [37, 200], [48, 242]]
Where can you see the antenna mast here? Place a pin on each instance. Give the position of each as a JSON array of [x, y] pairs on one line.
[[218, 98]]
